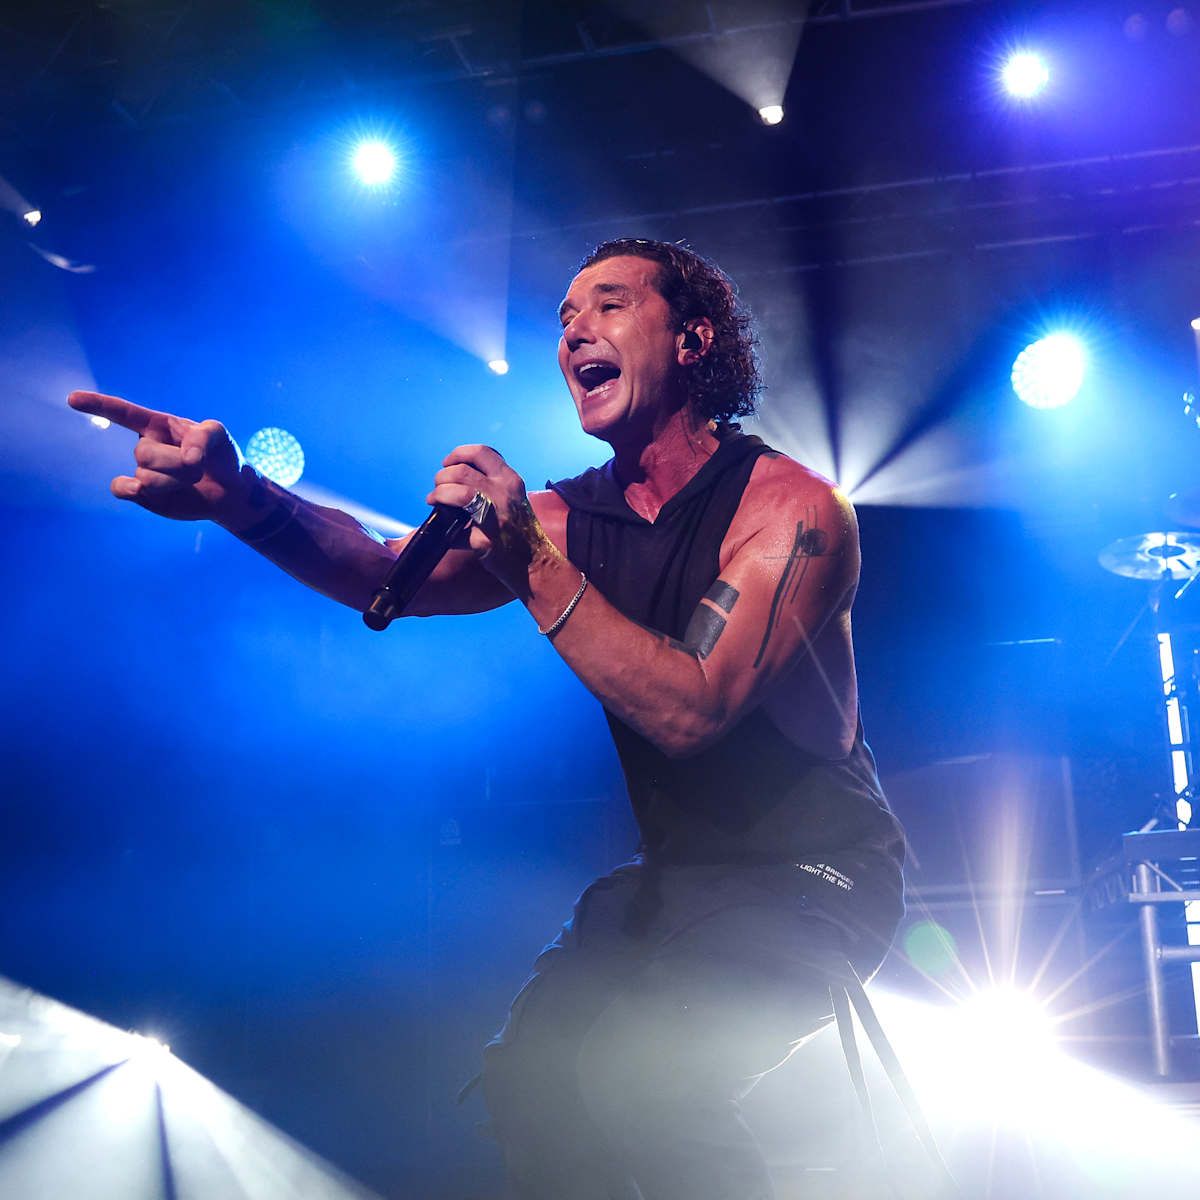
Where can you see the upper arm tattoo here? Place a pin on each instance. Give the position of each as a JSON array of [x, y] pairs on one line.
[[810, 542], [703, 631], [723, 595], [706, 625]]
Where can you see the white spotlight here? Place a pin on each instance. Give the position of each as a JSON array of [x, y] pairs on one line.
[[771, 114], [277, 454], [149, 1045], [1196, 324], [32, 217], [1008, 1020], [100, 422], [499, 366], [1025, 74], [1049, 372], [374, 162]]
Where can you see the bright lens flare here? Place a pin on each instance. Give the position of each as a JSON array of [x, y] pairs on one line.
[[148, 1047], [1025, 75], [930, 947], [1049, 373], [374, 162], [1010, 1023]]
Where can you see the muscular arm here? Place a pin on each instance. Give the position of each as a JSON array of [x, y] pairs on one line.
[[790, 568], [193, 470], [782, 587], [329, 551]]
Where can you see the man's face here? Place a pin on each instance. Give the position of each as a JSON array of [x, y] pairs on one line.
[[619, 351]]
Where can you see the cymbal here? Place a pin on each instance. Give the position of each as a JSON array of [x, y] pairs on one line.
[[1153, 556]]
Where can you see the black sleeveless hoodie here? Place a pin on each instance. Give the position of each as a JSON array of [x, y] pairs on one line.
[[752, 798]]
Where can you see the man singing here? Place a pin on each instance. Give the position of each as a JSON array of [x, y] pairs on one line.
[[700, 585]]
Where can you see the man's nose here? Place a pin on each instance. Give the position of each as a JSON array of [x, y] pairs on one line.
[[578, 331]]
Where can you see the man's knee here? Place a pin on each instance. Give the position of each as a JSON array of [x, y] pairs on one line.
[[635, 1072]]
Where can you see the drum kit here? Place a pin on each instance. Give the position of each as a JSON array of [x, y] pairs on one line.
[[1170, 562], [1158, 557]]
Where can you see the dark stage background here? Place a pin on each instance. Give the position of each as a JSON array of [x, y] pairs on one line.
[[318, 860]]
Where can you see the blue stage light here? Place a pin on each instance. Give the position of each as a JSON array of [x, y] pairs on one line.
[[1049, 372], [1025, 74], [277, 454], [374, 162]]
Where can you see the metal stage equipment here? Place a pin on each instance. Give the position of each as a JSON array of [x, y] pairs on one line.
[[1153, 886], [1171, 562]]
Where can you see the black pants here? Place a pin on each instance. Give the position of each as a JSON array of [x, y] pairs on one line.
[[665, 998]]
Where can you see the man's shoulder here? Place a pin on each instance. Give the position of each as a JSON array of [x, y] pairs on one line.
[[787, 489], [784, 499]]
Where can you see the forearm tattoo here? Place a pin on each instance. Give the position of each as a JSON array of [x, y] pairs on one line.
[[279, 507], [809, 543], [292, 532], [521, 535]]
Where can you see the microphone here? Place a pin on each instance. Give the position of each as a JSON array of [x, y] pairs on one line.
[[422, 552]]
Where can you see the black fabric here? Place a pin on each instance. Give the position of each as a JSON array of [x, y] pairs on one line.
[[753, 798], [623, 1061]]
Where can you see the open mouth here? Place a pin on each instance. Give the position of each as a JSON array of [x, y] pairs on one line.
[[594, 375]]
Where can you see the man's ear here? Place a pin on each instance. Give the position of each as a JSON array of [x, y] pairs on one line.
[[695, 341]]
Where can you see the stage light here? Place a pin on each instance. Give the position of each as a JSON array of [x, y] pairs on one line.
[[771, 114], [148, 1047], [100, 422], [1196, 324], [374, 162], [499, 366], [32, 217], [1025, 74], [1006, 1029], [1048, 373], [277, 454]]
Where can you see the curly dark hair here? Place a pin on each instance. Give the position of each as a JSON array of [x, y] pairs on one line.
[[725, 383]]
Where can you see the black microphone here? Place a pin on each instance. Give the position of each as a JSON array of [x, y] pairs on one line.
[[422, 552]]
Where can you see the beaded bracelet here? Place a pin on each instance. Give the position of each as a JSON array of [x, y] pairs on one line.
[[551, 630]]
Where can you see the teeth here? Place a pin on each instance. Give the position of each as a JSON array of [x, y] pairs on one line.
[[592, 375]]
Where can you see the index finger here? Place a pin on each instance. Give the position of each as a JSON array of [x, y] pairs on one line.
[[113, 408]]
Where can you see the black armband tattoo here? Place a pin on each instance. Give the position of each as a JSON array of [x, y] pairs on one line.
[[706, 625], [723, 595], [703, 631]]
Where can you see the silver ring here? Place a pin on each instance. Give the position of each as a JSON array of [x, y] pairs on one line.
[[479, 509]]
